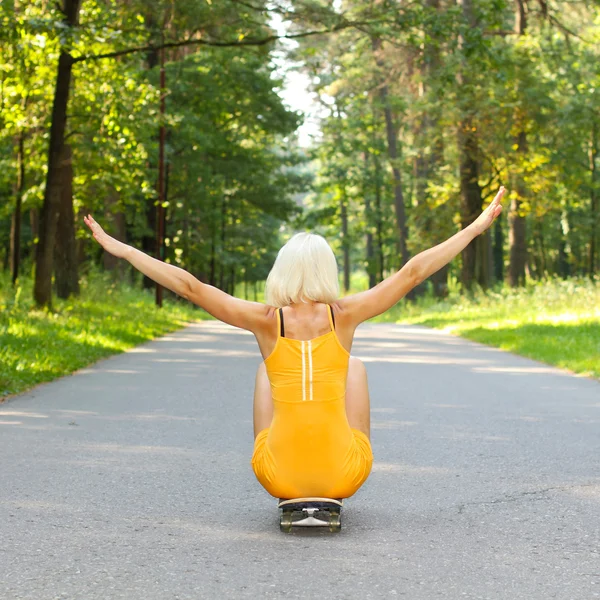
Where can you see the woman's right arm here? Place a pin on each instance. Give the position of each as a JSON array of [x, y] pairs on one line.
[[365, 305], [252, 316]]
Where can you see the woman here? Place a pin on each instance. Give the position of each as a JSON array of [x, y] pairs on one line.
[[311, 400]]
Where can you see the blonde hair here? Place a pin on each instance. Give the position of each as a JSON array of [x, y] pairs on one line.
[[305, 269]]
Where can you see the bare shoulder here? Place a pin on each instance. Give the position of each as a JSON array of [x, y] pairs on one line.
[[346, 310], [265, 318]]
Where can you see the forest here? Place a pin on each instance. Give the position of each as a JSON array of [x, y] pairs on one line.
[[165, 121]]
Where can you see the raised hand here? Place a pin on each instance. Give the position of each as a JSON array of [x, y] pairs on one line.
[[112, 246], [487, 217]]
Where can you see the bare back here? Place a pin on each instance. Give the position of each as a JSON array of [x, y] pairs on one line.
[[304, 322]]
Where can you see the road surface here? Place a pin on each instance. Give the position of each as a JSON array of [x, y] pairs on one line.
[[132, 479]]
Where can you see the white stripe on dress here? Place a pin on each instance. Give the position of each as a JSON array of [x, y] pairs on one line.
[[303, 374], [310, 371]]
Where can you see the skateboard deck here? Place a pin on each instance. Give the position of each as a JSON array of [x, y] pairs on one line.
[[310, 512]]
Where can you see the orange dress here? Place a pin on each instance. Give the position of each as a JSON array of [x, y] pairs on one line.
[[310, 448]]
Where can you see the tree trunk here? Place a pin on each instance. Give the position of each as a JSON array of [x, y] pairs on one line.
[[65, 250], [161, 184], [427, 164], [398, 194], [392, 144], [368, 224], [345, 241], [475, 256], [42, 290], [517, 233], [379, 219], [34, 223], [593, 198], [213, 258], [564, 269], [149, 239], [425, 130], [223, 241], [15, 231], [498, 251]]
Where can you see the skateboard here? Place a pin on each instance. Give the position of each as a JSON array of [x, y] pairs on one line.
[[310, 512]]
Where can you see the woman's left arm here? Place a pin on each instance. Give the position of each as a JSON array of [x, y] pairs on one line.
[[375, 301], [226, 308]]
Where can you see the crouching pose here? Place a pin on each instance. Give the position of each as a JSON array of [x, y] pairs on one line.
[[311, 400]]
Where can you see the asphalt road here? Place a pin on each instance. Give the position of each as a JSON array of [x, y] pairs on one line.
[[132, 479]]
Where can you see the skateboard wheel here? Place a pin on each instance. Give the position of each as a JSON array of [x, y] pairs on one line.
[[335, 523], [285, 521]]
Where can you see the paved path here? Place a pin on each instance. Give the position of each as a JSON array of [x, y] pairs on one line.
[[132, 479]]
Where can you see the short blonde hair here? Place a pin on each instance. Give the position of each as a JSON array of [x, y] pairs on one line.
[[305, 269]]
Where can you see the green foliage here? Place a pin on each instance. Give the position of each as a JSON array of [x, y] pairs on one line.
[[442, 67], [38, 346], [232, 163]]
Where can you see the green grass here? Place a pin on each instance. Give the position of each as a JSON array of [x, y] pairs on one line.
[[556, 322], [108, 318]]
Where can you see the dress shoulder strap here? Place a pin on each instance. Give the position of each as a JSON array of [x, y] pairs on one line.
[[281, 329], [331, 317]]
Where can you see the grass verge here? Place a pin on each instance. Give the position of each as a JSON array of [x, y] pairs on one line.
[[108, 318], [556, 321]]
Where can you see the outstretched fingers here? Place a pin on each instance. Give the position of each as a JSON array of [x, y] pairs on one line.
[[499, 195], [495, 207]]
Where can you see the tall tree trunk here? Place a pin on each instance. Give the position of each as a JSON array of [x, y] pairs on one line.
[[517, 235], [593, 198], [368, 223], [398, 193], [42, 290], [185, 257], [345, 240], [223, 242], [148, 241], [34, 223], [475, 257], [65, 249], [425, 131], [213, 259], [161, 183], [393, 153], [498, 251], [427, 163], [564, 269], [15, 231], [379, 219], [343, 205]]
